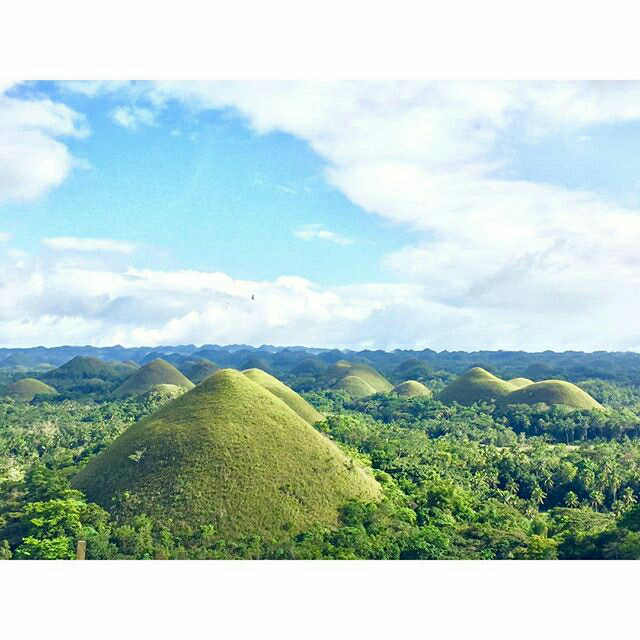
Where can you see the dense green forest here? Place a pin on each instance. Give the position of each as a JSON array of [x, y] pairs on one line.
[[481, 480]]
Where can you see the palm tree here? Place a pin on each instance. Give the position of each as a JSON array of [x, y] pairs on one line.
[[628, 498], [597, 499], [571, 500], [538, 496]]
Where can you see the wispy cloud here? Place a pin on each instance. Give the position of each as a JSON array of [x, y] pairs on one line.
[[70, 243], [318, 232], [259, 181], [133, 117], [4, 237]]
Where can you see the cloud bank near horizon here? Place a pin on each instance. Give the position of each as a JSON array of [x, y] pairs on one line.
[[497, 262]]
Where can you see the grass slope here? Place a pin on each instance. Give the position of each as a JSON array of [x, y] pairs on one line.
[[156, 372], [309, 365], [520, 382], [286, 394], [230, 454], [26, 389], [83, 367], [366, 373], [354, 386], [476, 385], [553, 392], [256, 363], [411, 389], [197, 369]]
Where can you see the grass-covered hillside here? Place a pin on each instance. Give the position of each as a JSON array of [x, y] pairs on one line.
[[476, 385], [230, 454], [197, 369], [552, 392], [310, 365], [373, 378], [287, 395], [411, 389], [155, 372], [355, 386], [27, 389], [518, 383], [84, 373]]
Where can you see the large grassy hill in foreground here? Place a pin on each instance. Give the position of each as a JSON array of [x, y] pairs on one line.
[[230, 454], [155, 372]]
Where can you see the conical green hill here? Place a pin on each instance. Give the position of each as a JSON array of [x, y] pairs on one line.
[[157, 371], [553, 392], [286, 394], [230, 454], [309, 365], [256, 363], [476, 385], [26, 389], [411, 389], [518, 383], [342, 368], [197, 369], [74, 373], [354, 386]]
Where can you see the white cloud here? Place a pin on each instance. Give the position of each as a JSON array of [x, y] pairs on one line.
[[50, 300], [133, 117], [95, 88], [4, 237], [495, 263], [53, 299], [70, 243], [32, 158], [318, 232], [430, 156]]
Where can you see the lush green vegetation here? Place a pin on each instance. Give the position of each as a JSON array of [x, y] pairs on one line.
[[489, 480]]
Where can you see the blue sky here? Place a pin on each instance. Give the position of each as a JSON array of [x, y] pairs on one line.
[[446, 215], [203, 191]]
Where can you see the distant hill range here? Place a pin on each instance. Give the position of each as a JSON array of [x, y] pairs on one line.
[[396, 366]]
